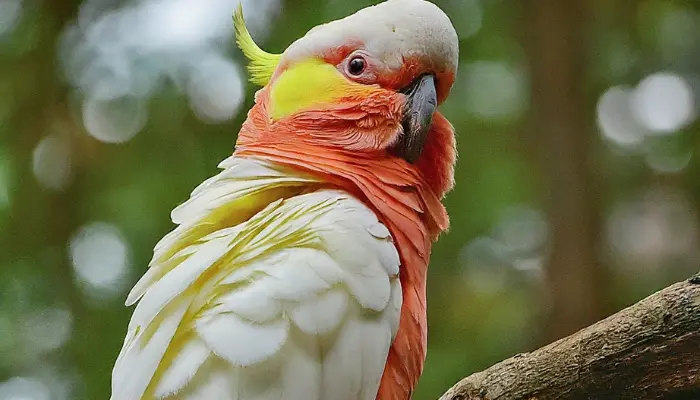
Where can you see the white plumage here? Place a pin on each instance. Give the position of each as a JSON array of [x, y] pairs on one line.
[[271, 287], [389, 31]]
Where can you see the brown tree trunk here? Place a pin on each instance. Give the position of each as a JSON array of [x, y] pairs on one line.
[[556, 46]]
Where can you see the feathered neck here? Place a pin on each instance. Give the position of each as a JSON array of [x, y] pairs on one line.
[[347, 145], [404, 198]]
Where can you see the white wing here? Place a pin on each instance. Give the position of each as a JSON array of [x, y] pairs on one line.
[[301, 300]]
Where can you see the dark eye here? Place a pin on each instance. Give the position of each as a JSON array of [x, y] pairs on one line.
[[357, 66]]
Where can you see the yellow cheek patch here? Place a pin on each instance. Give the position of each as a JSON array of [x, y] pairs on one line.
[[307, 84]]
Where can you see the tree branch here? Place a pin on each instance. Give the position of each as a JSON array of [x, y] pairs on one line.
[[650, 350]]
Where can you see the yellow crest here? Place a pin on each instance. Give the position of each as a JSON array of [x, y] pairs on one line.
[[262, 64]]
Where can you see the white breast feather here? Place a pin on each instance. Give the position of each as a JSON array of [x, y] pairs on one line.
[[269, 288]]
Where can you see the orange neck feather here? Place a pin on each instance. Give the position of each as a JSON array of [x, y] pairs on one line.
[[347, 147]]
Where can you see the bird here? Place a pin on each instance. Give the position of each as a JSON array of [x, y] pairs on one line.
[[299, 270]]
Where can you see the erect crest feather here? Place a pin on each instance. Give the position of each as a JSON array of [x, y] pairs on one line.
[[262, 64]]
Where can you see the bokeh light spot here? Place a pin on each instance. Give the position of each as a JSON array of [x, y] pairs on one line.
[[471, 16], [215, 89], [47, 329], [669, 158], [615, 118], [51, 161], [664, 102], [651, 230], [114, 120], [494, 90], [100, 257], [10, 14], [522, 230], [517, 243], [21, 388]]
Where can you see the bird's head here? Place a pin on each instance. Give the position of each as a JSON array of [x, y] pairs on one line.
[[368, 84]]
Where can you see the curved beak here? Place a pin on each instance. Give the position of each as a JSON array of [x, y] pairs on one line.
[[421, 103]]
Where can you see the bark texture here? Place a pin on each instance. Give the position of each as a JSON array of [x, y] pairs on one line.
[[650, 350]]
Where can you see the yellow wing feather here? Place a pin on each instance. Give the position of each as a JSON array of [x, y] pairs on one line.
[[262, 64]]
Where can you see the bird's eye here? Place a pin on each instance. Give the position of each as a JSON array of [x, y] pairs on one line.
[[357, 66]]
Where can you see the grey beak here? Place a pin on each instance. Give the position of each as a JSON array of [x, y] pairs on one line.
[[420, 105]]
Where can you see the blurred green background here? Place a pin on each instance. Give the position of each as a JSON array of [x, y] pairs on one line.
[[577, 185]]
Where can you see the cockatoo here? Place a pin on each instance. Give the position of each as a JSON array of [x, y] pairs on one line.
[[299, 271]]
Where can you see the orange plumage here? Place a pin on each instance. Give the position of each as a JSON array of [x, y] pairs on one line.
[[348, 146]]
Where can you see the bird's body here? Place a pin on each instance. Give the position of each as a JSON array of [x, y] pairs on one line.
[[299, 271], [294, 289]]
